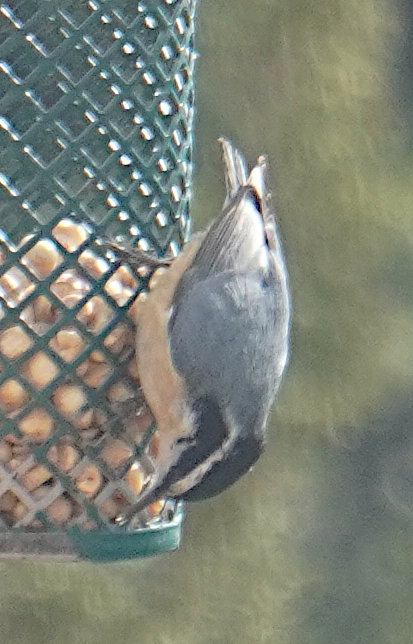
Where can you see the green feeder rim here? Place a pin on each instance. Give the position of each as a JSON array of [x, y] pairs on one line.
[[99, 546], [96, 112]]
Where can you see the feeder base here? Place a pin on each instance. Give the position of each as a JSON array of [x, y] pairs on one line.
[[98, 546]]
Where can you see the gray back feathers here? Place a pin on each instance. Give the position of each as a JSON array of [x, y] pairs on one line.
[[229, 322]]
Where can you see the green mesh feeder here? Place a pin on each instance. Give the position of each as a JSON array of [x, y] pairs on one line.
[[96, 107]]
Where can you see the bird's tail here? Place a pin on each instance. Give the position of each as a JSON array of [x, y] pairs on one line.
[[235, 168], [240, 238], [236, 177]]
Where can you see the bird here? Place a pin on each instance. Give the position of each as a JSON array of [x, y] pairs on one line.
[[212, 340]]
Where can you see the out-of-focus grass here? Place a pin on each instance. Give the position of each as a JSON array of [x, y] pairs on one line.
[[314, 546]]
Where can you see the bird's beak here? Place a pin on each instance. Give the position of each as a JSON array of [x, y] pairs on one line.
[[150, 495]]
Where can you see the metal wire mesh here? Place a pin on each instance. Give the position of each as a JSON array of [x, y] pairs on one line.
[[96, 106]]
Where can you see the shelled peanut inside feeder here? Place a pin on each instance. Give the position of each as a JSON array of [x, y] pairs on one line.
[[65, 452]]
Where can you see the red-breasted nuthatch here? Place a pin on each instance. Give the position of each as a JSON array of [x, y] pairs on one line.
[[212, 341]]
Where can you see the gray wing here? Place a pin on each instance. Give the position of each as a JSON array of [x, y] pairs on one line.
[[227, 340]]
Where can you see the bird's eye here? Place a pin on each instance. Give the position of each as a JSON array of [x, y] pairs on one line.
[[185, 440]]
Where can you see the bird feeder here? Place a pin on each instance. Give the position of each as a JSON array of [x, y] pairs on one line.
[[96, 108]]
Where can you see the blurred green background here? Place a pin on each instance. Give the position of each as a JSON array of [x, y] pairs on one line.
[[316, 545]]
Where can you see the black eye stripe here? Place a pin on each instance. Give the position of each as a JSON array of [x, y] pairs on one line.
[[224, 473], [210, 434]]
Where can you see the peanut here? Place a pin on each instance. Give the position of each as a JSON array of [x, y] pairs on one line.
[[89, 481], [14, 342], [37, 425]]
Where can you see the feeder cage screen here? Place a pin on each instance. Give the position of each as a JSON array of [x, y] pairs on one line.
[[96, 107]]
